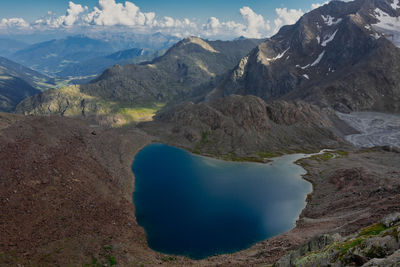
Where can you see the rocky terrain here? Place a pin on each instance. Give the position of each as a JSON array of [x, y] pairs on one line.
[[66, 193], [66, 189], [334, 56], [66, 197], [375, 129], [375, 245], [245, 126]]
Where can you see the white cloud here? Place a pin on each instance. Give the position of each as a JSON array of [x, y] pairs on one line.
[[317, 5], [109, 15], [287, 17], [256, 26], [18, 23], [72, 14], [69, 19]]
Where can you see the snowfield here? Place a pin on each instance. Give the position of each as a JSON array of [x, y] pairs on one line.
[[376, 129]]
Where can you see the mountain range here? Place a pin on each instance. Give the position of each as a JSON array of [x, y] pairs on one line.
[[183, 69], [80, 55], [336, 57], [67, 173]]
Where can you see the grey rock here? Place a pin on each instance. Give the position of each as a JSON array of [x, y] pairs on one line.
[[391, 219], [391, 261]]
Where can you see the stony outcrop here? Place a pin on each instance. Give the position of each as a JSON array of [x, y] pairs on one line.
[[375, 245]]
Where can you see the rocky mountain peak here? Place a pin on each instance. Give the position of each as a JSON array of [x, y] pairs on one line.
[[326, 57]]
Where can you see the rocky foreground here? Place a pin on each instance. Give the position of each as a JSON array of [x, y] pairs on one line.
[[66, 197], [377, 245]]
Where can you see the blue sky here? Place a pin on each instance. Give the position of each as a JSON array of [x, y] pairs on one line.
[[207, 18], [224, 9]]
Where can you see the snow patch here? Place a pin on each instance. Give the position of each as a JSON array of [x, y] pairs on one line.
[[318, 60], [329, 20], [396, 4], [376, 36], [305, 67], [278, 56], [329, 38], [306, 76], [318, 39]]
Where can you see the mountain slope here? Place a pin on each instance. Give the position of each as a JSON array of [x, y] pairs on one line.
[[180, 71], [245, 125], [334, 56], [188, 64], [18, 82]]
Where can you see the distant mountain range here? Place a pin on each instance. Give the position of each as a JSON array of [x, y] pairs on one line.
[[80, 56], [52, 56]]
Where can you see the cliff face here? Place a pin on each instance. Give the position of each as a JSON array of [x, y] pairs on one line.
[[244, 124], [342, 55]]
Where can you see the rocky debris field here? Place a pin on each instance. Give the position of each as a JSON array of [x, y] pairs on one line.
[[375, 129]]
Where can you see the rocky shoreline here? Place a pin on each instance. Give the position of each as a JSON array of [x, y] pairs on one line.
[[67, 197]]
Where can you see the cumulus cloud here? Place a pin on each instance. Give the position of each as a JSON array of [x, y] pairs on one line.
[[18, 23], [317, 5], [254, 26], [69, 19], [287, 16], [72, 15], [109, 15]]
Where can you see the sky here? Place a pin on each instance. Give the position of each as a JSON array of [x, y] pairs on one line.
[[207, 18]]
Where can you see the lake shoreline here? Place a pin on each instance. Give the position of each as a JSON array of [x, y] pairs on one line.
[[279, 174], [311, 221], [349, 192]]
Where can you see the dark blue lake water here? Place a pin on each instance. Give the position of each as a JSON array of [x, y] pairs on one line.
[[198, 206]]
